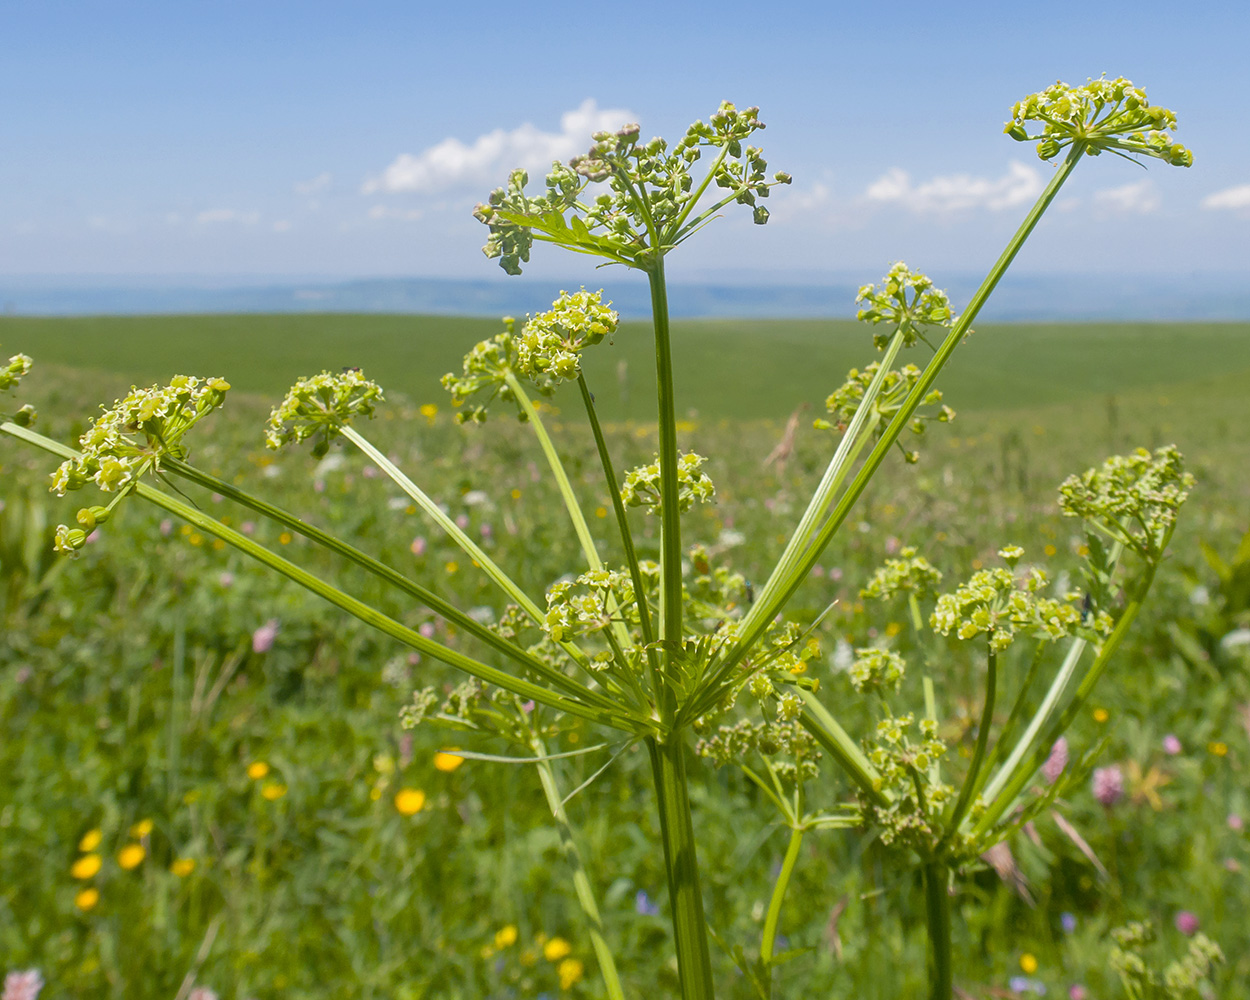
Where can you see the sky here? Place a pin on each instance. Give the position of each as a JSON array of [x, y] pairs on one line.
[[248, 141]]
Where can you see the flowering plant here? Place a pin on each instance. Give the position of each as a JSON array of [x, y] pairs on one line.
[[669, 650]]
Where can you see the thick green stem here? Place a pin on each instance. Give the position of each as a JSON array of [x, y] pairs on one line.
[[769, 938], [670, 512], [938, 915], [581, 881], [694, 963], [764, 612]]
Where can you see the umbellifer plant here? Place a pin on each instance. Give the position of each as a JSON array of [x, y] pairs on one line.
[[661, 651]]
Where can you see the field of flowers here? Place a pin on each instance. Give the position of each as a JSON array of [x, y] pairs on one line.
[[207, 786]]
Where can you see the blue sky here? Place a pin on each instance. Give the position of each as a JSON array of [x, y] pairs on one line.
[[269, 139]]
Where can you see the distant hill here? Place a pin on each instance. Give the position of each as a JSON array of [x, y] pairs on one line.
[[1037, 297]]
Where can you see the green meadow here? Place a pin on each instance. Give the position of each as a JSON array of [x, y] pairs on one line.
[[137, 704]]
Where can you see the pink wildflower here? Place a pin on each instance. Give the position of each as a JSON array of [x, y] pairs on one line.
[[1236, 823], [1108, 785], [1056, 762], [263, 637], [418, 546], [1187, 923], [1171, 745], [22, 985]]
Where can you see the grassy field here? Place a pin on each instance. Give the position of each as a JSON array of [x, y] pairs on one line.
[[725, 368], [309, 881]]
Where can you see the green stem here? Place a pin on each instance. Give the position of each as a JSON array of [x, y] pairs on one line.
[[581, 881], [694, 963], [764, 612], [396, 579], [574, 509], [818, 721], [983, 740], [769, 938], [1024, 771], [938, 918], [670, 513], [622, 521], [353, 606]]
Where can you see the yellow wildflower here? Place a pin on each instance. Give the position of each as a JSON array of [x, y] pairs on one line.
[[556, 949], [1101, 715], [1219, 748], [429, 411], [570, 971], [601, 512], [410, 801], [141, 829], [86, 899], [183, 867], [451, 566], [505, 936], [446, 761], [131, 856], [90, 840], [273, 790], [257, 770], [285, 538], [86, 866], [1028, 964]]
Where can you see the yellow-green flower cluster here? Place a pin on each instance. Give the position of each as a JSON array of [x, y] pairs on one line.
[[995, 603], [10, 375], [1133, 499], [908, 574], [485, 373], [1187, 978], [572, 612], [905, 303], [14, 371], [913, 817], [551, 342], [1102, 114], [876, 670], [319, 406], [737, 743], [650, 191], [137, 431], [895, 388], [642, 485]]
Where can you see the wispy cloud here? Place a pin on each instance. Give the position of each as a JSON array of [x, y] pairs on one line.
[[217, 215], [1230, 199], [1138, 198], [385, 212], [488, 158], [313, 185], [957, 192]]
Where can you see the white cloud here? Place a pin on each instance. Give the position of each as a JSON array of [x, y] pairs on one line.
[[1138, 198], [210, 215], [958, 192], [385, 212], [491, 156], [1232, 198], [313, 185], [281, 226]]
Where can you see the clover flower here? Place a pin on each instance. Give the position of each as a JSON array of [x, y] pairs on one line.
[[318, 407], [551, 342], [22, 985], [1133, 499], [895, 388], [642, 485], [908, 574], [1101, 114], [907, 303], [1108, 785]]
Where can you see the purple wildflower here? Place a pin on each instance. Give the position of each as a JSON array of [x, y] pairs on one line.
[[1187, 923], [1056, 762], [263, 637], [1108, 785], [643, 905]]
